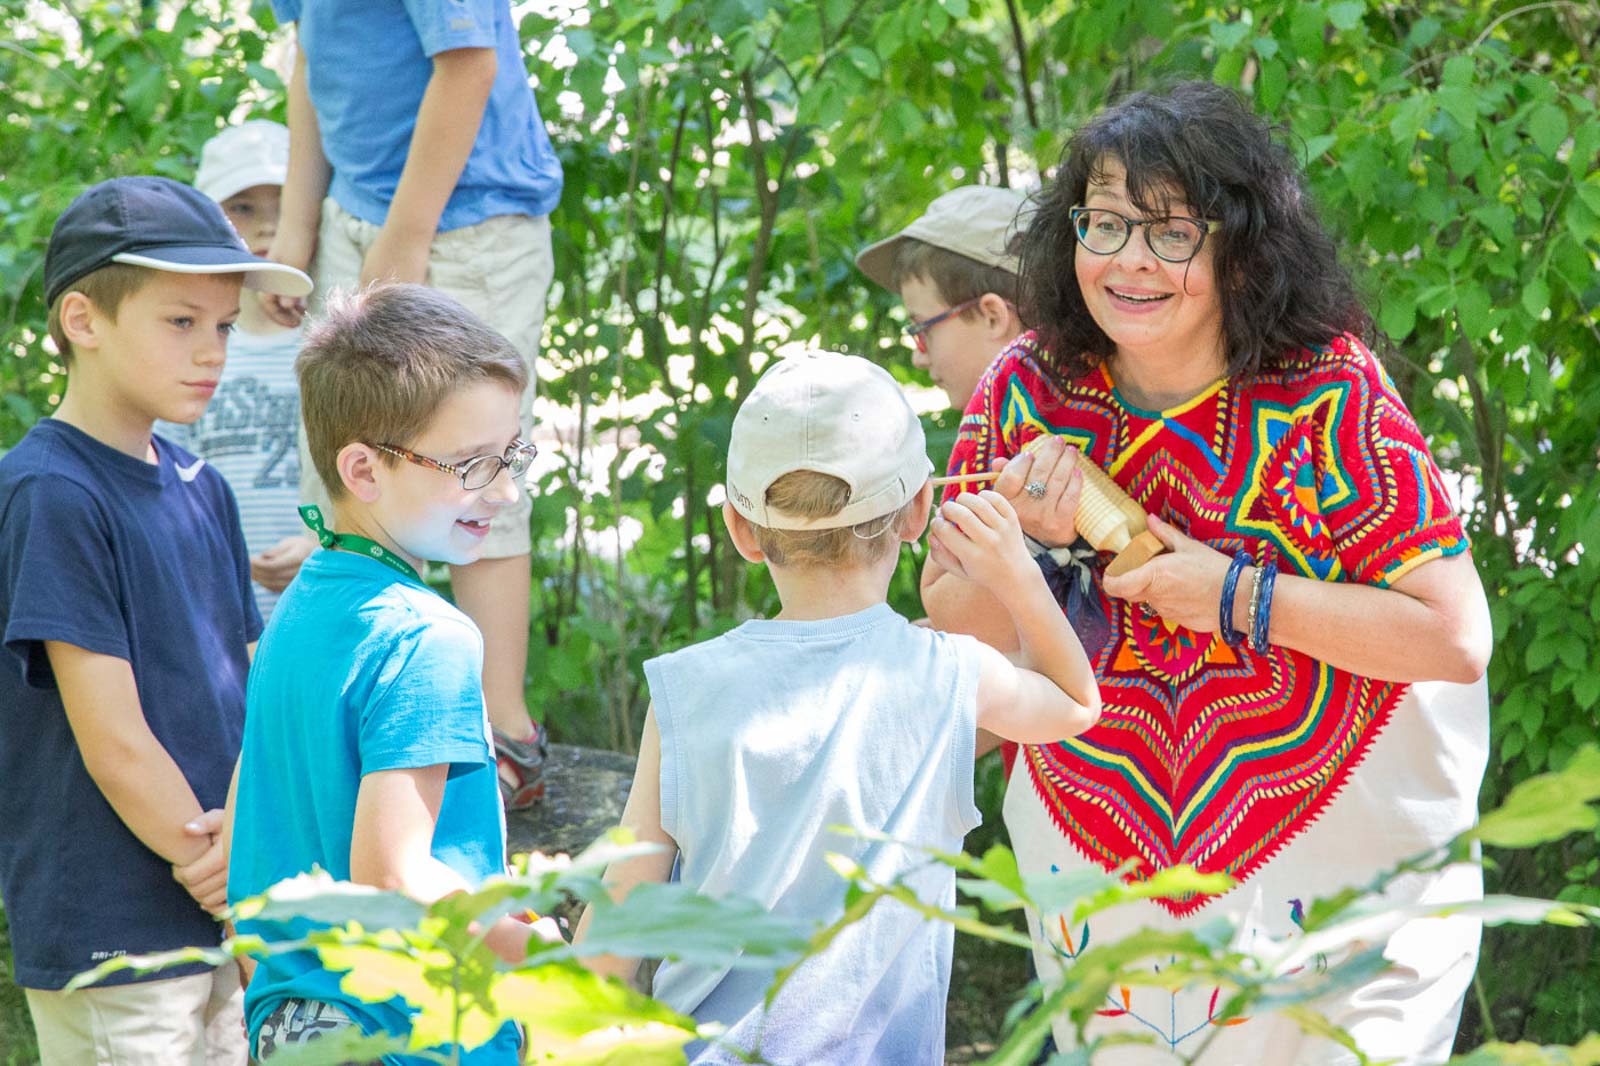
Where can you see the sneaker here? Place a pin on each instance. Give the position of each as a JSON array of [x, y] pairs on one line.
[[520, 764]]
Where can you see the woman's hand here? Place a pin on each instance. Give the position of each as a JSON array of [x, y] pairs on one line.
[[1183, 585], [1050, 518]]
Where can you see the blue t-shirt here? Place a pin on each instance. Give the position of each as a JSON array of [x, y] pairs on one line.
[[248, 434], [367, 65], [143, 562], [771, 735], [360, 669]]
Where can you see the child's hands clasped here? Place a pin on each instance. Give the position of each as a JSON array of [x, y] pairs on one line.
[[206, 877], [976, 536]]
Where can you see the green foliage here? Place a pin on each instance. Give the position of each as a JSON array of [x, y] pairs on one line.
[[434, 959]]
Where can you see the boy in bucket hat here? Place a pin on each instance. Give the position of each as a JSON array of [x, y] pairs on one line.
[[955, 269], [837, 712], [127, 618], [249, 431]]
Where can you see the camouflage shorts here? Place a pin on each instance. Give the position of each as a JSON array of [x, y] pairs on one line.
[[294, 1022]]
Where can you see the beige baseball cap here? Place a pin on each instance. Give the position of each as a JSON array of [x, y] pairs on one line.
[[977, 221], [834, 414], [243, 156]]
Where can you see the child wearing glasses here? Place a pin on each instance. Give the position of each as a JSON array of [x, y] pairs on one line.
[[955, 269], [367, 747], [249, 429], [128, 620]]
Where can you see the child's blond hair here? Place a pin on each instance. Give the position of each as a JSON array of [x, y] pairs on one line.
[[811, 495]]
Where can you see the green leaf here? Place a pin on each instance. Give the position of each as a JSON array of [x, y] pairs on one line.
[[1272, 84], [669, 921], [1229, 35], [1546, 808], [1306, 23], [866, 61], [1473, 311], [1346, 15], [1458, 71], [1397, 315], [1540, 655], [1547, 125], [340, 1046], [1536, 298], [317, 897], [1409, 119], [570, 1012], [1460, 102]]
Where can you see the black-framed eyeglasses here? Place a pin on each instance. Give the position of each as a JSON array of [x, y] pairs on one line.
[[915, 330], [1174, 239], [478, 472]]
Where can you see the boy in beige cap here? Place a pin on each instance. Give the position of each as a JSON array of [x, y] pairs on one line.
[[955, 269], [837, 712]]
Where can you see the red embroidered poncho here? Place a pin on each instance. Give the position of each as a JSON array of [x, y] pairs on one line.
[[1206, 755]]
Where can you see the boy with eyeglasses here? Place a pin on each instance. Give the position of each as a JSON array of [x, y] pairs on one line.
[[127, 618], [367, 748], [955, 269]]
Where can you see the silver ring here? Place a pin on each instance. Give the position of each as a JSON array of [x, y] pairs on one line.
[[1035, 489]]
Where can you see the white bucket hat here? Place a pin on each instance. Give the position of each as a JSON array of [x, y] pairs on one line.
[[243, 156], [980, 222], [834, 414]]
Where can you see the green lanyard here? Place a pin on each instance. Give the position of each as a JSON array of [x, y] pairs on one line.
[[349, 542]]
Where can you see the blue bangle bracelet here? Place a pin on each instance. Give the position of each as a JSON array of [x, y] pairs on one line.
[[1230, 585], [1269, 578]]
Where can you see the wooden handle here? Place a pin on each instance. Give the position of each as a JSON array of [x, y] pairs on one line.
[[1108, 518], [957, 479]]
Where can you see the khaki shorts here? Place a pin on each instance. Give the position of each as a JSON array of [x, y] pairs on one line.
[[500, 270], [179, 1021]]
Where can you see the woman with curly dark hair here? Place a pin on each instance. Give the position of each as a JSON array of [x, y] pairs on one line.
[[1293, 689]]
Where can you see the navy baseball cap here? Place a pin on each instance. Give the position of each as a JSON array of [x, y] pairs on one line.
[[157, 223]]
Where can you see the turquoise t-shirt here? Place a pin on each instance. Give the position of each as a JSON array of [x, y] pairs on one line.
[[360, 669]]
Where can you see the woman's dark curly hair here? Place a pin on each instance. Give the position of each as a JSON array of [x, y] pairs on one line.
[[1279, 279]]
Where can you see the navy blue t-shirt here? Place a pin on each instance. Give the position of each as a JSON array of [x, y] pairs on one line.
[[144, 562]]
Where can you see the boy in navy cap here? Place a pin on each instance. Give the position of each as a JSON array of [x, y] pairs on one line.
[[127, 622]]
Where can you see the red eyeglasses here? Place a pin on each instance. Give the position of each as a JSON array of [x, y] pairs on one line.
[[916, 330]]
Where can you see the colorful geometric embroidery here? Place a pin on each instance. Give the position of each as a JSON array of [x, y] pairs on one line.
[[1205, 754]]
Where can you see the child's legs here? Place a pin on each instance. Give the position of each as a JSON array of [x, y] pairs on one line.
[[500, 270], [179, 1021]]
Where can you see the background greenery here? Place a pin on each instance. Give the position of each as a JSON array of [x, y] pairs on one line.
[[726, 158]]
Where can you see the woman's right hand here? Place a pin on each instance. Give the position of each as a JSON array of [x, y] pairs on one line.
[[1050, 518]]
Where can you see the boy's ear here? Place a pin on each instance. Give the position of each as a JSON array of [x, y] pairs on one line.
[[80, 321], [999, 317], [743, 535], [917, 518], [358, 469]]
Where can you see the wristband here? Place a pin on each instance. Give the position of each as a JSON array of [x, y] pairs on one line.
[[1230, 585], [1255, 604], [1261, 617]]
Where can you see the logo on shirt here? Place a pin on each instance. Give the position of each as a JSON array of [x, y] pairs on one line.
[[190, 472]]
